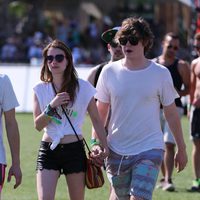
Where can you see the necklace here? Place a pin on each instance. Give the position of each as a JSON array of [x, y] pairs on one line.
[[56, 88]]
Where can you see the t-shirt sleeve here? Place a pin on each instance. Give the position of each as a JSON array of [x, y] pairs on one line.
[[91, 91], [40, 92], [168, 93], [9, 99], [102, 88]]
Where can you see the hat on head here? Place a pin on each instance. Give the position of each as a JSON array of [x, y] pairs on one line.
[[108, 35]]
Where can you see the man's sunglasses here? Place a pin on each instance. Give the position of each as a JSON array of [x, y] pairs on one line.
[[114, 44], [172, 47], [197, 47], [59, 58], [133, 40]]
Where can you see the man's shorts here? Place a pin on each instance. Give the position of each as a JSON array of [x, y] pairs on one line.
[[2, 175], [134, 175], [195, 123], [66, 158], [168, 136]]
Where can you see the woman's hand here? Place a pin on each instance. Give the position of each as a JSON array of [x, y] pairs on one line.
[[60, 99]]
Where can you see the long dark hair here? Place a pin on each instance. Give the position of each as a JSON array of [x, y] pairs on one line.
[[70, 83]]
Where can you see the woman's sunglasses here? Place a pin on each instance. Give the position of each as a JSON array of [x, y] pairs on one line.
[[133, 40], [59, 58]]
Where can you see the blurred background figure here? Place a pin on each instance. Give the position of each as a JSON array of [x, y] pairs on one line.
[[180, 73], [194, 113], [114, 49]]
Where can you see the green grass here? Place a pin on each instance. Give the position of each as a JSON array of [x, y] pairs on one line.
[[30, 140]]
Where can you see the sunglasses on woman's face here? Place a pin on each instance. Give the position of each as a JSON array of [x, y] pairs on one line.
[[58, 58], [133, 40]]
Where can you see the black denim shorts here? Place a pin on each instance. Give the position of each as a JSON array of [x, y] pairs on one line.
[[66, 158]]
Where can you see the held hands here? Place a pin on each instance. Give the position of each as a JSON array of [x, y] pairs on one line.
[[60, 99], [180, 160], [16, 172], [98, 154]]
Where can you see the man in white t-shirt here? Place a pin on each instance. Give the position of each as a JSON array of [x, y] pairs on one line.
[[8, 102], [134, 87]]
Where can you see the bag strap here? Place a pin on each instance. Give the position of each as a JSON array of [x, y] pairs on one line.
[[71, 123]]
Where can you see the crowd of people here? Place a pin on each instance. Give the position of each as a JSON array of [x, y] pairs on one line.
[[135, 111], [86, 45]]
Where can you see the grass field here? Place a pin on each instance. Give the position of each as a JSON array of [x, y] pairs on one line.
[[30, 140]]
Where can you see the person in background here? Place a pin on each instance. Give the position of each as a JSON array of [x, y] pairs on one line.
[[134, 87], [8, 103], [194, 113], [60, 151], [180, 72], [115, 54]]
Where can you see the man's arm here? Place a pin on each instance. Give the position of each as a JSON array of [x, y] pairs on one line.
[[92, 74], [192, 81], [14, 144], [173, 120], [184, 71], [103, 109]]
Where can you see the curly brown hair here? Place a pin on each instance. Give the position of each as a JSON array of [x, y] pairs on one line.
[[70, 83], [137, 27]]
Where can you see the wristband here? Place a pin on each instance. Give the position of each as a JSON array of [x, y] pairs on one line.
[[52, 114], [189, 106], [93, 142]]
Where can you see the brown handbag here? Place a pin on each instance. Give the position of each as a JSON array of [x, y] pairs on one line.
[[94, 176]]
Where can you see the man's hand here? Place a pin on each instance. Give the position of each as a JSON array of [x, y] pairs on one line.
[[180, 160], [16, 172]]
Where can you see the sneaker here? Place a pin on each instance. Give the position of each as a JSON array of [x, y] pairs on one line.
[[161, 183], [195, 186], [169, 186]]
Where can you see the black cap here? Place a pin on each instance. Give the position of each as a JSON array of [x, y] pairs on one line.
[[108, 35]]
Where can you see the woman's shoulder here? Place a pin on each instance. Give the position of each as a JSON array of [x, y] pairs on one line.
[[41, 85]]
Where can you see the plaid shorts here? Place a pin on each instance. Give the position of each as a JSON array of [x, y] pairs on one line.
[[134, 175]]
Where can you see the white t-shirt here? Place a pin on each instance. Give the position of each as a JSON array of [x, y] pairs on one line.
[[76, 113], [8, 101], [135, 98]]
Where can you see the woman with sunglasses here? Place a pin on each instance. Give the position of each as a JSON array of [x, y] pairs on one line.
[[60, 152], [134, 87]]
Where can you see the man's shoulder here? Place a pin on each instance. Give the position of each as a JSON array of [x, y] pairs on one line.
[[195, 61], [182, 62]]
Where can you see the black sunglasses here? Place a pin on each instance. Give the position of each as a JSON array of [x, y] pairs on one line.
[[59, 58], [171, 46], [133, 40], [114, 44]]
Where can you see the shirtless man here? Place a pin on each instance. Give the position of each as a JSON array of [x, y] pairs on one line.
[[195, 114], [180, 72]]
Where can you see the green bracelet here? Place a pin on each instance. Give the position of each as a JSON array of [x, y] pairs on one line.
[[52, 114], [94, 141]]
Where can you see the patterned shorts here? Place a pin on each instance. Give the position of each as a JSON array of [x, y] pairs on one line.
[[134, 175]]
